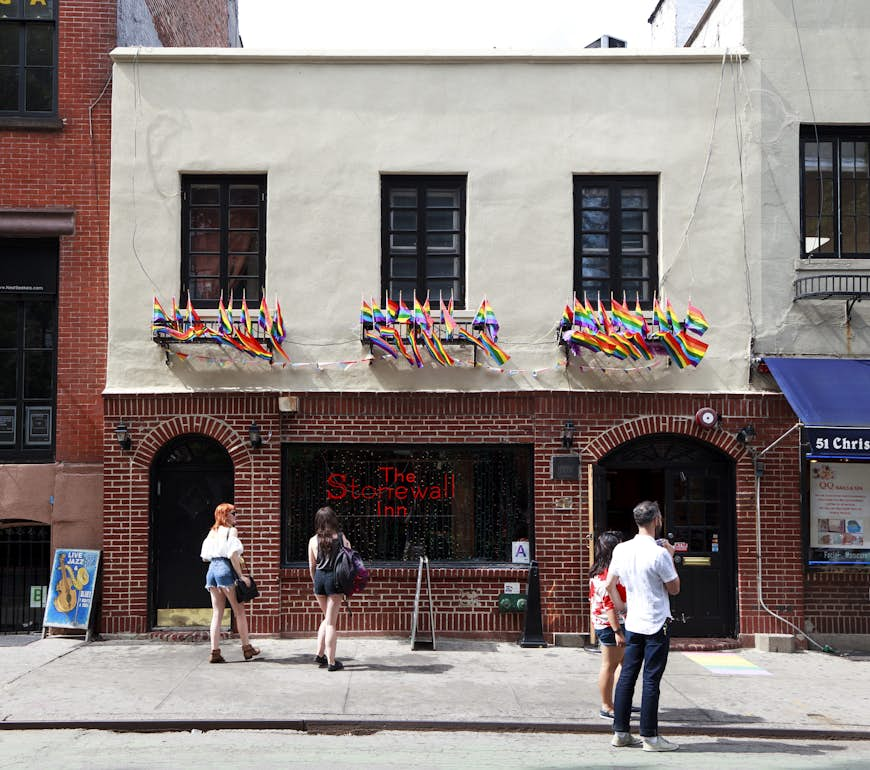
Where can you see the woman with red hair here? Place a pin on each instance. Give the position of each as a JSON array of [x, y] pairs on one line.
[[222, 549]]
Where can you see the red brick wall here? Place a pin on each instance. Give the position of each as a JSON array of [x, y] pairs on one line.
[[190, 23], [70, 168], [465, 599], [837, 602]]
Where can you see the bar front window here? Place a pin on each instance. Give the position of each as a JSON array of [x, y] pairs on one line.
[[839, 496], [463, 504]]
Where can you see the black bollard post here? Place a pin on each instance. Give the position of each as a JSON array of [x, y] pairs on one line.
[[533, 636]]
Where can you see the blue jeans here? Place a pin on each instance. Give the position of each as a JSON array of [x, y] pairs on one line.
[[651, 651]]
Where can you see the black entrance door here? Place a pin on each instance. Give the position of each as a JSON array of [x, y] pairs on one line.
[[191, 476], [694, 485]]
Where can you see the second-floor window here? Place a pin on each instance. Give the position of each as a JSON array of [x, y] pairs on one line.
[[423, 233], [835, 191], [28, 57], [223, 238], [616, 237]]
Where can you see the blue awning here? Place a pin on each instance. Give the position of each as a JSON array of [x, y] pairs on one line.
[[825, 392]]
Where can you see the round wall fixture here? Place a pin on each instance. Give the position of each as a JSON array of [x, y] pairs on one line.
[[707, 417]]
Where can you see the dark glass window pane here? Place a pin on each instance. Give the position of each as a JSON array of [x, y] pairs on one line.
[[595, 197], [403, 241], [204, 194], [205, 218], [8, 374], [39, 325], [205, 241], [595, 267], [402, 219], [244, 240], [244, 218], [9, 44], [8, 324], [244, 265], [634, 267], [440, 287], [39, 44], [442, 267], [403, 198], [11, 10], [39, 10], [442, 220], [37, 96], [442, 242], [244, 195], [9, 88], [634, 221], [634, 242], [594, 243], [250, 287], [38, 374], [634, 199], [595, 220], [403, 289], [442, 199], [403, 267], [205, 264], [205, 288]]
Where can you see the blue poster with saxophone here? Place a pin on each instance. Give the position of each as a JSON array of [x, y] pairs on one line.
[[71, 588]]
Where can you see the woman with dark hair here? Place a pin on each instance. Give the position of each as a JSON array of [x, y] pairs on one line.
[[608, 624], [222, 549], [323, 550]]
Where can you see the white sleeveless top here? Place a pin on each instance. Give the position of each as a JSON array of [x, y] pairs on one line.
[[222, 542]]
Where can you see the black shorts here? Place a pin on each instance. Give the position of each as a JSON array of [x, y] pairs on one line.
[[324, 583]]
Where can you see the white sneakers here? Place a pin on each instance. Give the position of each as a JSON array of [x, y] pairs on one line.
[[624, 739], [656, 743]]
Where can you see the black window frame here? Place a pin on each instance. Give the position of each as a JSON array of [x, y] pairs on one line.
[[616, 282], [813, 134], [223, 182], [44, 251], [422, 183], [15, 15]]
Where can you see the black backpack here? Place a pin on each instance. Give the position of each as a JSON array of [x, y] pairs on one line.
[[350, 574]]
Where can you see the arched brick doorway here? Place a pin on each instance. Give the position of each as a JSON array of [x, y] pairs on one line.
[[190, 476], [694, 483]]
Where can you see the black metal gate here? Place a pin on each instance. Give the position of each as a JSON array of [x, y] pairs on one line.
[[25, 563]]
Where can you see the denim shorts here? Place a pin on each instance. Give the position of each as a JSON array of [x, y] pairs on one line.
[[324, 583], [607, 636], [220, 574]]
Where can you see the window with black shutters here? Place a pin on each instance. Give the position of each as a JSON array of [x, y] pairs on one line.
[[28, 57], [616, 237], [423, 233], [223, 238], [835, 191]]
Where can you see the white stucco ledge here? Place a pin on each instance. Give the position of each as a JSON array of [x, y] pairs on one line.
[[269, 56]]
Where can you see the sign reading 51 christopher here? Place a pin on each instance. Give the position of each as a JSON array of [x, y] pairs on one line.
[[71, 588]]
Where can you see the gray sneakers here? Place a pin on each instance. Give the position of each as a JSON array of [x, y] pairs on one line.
[[658, 744], [624, 739]]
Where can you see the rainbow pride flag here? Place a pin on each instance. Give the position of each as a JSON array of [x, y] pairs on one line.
[[365, 313], [158, 316], [379, 342], [695, 320], [497, 354]]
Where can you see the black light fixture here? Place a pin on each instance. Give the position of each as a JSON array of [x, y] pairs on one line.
[[122, 433], [255, 436], [568, 434], [745, 434]]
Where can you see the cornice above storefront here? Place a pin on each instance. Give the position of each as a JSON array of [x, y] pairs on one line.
[[584, 56]]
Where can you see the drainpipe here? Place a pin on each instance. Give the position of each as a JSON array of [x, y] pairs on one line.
[[758, 468]]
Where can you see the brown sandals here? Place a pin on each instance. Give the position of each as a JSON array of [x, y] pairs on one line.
[[249, 651], [216, 657]]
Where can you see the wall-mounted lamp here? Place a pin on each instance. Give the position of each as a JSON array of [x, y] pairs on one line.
[[255, 436], [568, 434], [122, 433], [745, 434]]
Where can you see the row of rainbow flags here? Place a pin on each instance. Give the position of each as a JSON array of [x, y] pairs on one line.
[[399, 331], [625, 334], [185, 325]]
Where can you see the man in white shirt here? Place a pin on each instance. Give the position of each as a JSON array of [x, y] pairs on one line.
[[646, 568]]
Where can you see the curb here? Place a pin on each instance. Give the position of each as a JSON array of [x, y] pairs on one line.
[[370, 726]]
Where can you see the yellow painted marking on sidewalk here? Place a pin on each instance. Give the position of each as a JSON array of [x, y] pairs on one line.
[[726, 663]]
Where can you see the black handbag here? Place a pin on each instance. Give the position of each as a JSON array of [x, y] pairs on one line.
[[245, 593]]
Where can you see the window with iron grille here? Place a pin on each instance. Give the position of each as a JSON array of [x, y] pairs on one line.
[[835, 191], [423, 233], [223, 238], [395, 503], [28, 57], [28, 348], [616, 237]]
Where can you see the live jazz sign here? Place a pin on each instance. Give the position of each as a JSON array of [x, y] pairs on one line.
[[394, 491]]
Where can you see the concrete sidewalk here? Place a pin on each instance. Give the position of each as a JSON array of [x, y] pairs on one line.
[[461, 685]]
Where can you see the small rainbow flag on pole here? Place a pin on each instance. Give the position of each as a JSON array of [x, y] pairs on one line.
[[695, 321]]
